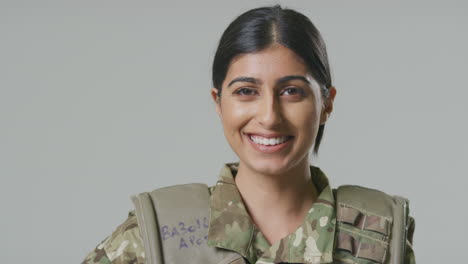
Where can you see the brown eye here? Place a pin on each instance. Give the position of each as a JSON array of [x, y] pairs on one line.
[[245, 91], [293, 91]]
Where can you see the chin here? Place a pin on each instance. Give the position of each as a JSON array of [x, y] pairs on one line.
[[268, 166]]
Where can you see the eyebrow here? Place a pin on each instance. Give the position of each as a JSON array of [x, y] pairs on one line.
[[278, 81]]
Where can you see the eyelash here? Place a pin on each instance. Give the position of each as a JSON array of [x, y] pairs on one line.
[[238, 92]]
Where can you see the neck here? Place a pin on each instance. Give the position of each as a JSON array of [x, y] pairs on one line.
[[288, 195]]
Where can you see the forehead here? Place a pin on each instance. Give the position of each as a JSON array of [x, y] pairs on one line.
[[272, 62]]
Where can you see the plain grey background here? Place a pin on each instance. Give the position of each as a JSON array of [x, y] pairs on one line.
[[100, 100]]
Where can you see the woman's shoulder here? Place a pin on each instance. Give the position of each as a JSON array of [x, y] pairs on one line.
[[124, 245]]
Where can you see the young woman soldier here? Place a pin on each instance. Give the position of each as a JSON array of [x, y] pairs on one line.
[[273, 93]]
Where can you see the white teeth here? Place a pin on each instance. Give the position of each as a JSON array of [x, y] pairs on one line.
[[269, 141]]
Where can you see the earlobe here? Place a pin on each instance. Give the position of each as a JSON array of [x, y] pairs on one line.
[[328, 105], [216, 100], [324, 117]]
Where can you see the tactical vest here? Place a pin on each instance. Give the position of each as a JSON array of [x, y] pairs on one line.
[[371, 227]]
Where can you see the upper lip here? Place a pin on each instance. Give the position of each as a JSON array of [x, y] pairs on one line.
[[267, 135]]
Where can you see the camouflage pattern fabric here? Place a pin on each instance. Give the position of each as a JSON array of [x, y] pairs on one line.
[[232, 228], [124, 246]]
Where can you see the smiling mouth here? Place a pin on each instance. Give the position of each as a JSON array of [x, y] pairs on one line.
[[271, 141]]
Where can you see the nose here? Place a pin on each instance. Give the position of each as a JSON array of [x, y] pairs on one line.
[[269, 113]]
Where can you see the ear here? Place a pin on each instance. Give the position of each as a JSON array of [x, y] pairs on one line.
[[328, 105], [216, 100]]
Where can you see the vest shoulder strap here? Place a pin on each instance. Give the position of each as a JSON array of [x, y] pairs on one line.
[[371, 225], [174, 222]]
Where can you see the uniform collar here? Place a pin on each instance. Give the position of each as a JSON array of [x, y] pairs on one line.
[[232, 228]]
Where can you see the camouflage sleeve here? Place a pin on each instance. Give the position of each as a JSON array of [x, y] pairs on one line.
[[123, 246], [410, 258]]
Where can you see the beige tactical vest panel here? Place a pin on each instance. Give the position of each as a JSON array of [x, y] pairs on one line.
[[183, 207], [371, 226]]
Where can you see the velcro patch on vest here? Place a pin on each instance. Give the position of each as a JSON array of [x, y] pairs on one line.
[[362, 234]]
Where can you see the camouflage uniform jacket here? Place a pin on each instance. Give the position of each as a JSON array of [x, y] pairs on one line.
[[231, 227]]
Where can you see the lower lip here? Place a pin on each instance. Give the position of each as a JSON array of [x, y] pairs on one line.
[[270, 148]]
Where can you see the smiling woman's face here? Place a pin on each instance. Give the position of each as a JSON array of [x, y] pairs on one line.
[[271, 108]]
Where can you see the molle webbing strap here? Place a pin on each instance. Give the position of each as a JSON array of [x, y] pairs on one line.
[[174, 225], [370, 225], [360, 249], [363, 221]]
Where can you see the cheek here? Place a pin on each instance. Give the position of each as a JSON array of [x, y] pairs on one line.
[[235, 116], [304, 117]]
